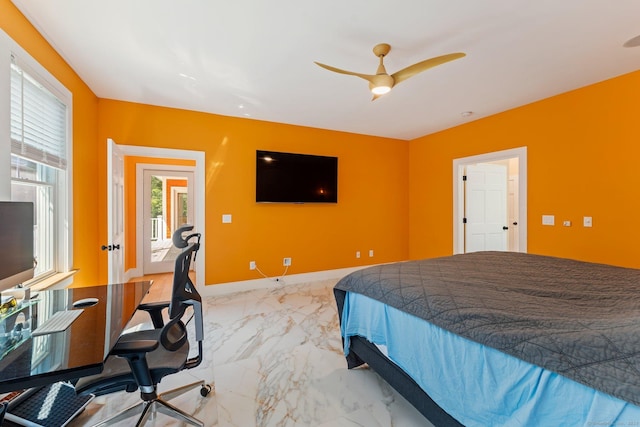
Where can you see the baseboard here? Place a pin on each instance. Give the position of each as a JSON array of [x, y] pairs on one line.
[[132, 272], [294, 279]]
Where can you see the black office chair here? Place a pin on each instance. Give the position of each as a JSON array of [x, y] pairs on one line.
[[141, 359]]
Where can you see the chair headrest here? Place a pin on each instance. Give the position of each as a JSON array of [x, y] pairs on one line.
[[178, 240]]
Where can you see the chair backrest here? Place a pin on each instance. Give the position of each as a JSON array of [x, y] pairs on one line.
[[184, 294], [183, 288]]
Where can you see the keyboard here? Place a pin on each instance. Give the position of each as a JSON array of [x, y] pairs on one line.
[[59, 322], [54, 405]]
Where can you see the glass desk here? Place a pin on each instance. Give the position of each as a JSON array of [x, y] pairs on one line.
[[32, 360]]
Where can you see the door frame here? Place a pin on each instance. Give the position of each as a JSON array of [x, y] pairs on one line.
[[458, 193], [198, 190]]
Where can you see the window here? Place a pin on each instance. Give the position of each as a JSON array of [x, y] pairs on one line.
[[39, 119]]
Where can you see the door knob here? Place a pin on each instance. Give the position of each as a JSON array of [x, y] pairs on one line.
[[505, 228], [515, 223], [105, 248], [116, 247]]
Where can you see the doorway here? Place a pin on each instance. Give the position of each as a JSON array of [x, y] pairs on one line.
[[198, 212], [511, 208], [168, 203]]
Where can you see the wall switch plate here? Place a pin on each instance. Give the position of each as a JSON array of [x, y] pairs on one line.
[[226, 218], [566, 223], [548, 220], [357, 254], [370, 253], [587, 221], [286, 262], [252, 265]]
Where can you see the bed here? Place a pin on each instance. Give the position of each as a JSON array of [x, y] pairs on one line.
[[500, 338]]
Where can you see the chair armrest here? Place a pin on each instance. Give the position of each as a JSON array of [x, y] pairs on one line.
[[135, 352], [124, 348], [155, 312], [152, 306]]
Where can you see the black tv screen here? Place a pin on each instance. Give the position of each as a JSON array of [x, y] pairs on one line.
[[16, 243], [296, 178]]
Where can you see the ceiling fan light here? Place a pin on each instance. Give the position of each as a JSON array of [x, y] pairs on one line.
[[380, 90], [381, 84]]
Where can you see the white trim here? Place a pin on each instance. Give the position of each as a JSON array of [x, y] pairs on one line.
[[6, 46], [264, 283], [198, 189], [458, 193], [64, 211]]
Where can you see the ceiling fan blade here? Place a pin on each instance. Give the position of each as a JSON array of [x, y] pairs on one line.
[[421, 66], [367, 77]]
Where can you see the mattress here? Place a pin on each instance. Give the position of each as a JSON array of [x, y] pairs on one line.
[[478, 385]]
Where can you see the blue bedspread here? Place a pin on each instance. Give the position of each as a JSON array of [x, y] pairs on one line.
[[478, 385]]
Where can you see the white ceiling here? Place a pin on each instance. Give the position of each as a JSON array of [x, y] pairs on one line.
[[254, 58]]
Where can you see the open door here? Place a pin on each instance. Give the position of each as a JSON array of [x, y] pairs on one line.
[[486, 226], [115, 212]]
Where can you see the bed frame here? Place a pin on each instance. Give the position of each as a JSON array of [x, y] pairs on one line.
[[362, 351], [367, 352]]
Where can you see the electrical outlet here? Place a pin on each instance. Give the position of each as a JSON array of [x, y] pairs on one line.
[[252, 265], [286, 262]]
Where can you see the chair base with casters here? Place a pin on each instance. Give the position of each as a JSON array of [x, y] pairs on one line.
[[120, 372], [159, 403]]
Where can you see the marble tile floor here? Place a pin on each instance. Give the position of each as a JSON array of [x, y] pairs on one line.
[[274, 358]]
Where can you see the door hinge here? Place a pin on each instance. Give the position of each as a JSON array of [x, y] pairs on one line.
[[464, 177], [464, 220]]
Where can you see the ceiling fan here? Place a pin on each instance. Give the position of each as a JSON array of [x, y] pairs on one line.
[[381, 82]]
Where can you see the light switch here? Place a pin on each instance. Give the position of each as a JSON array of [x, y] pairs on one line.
[[548, 220], [588, 221], [226, 218]]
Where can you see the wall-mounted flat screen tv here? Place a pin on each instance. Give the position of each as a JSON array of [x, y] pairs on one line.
[[296, 178]]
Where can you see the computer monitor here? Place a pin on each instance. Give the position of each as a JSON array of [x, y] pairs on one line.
[[16, 243]]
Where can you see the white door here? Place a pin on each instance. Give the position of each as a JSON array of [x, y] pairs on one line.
[[167, 205], [486, 208], [115, 212], [513, 213]]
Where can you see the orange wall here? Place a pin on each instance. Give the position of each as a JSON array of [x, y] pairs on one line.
[[86, 237], [583, 153], [582, 160], [130, 164], [371, 213]]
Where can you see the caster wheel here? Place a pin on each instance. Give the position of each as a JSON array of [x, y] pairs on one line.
[[205, 390]]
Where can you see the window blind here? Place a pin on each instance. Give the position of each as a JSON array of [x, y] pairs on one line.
[[38, 121]]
